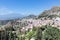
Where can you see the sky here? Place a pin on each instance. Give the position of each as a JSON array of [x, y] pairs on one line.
[[26, 7]]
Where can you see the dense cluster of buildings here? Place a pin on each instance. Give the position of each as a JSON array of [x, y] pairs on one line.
[[54, 22], [27, 24]]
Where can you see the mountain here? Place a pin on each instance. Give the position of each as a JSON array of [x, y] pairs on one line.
[[3, 22], [4, 19], [53, 12], [11, 16], [29, 16]]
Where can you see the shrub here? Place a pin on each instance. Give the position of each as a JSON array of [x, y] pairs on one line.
[[51, 33]]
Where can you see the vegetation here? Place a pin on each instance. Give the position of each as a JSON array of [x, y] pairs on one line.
[[49, 16], [40, 33]]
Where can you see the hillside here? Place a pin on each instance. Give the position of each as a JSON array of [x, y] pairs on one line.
[[53, 12], [5, 20]]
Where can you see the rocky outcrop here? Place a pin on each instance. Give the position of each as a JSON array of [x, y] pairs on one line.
[[54, 11]]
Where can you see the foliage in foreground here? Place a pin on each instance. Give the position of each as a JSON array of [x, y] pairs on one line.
[[46, 33], [39, 33]]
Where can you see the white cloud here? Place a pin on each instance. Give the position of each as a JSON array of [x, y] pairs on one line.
[[4, 11], [7, 11]]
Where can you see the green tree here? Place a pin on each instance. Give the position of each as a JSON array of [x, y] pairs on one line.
[[38, 34], [51, 33]]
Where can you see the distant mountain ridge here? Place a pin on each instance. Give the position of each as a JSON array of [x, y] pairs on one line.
[[30, 16], [11, 16], [8, 18]]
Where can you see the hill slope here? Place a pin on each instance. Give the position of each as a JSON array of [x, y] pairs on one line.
[[53, 12]]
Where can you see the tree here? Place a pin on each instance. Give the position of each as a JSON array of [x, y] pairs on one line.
[[51, 33], [38, 34]]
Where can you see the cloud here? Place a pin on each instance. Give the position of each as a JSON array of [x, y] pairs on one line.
[[4, 11], [7, 11]]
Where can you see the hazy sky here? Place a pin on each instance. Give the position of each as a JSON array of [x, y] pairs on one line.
[[26, 7]]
